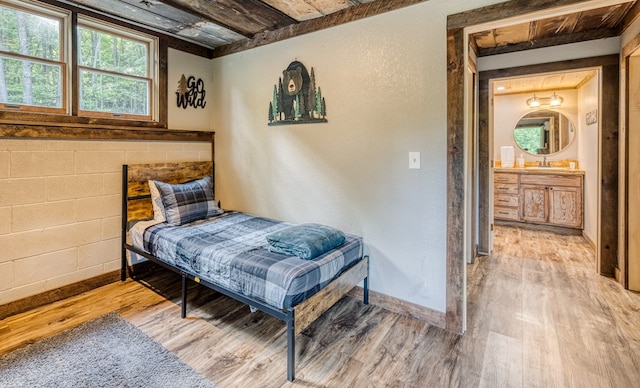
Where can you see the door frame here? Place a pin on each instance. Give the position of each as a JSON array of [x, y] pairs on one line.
[[607, 234], [622, 273]]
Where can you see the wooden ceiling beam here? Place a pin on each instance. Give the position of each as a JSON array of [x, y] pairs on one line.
[[549, 42], [350, 14], [630, 16], [244, 17], [502, 11]]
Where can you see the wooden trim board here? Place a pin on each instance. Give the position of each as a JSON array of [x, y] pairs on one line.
[[97, 133], [402, 307], [47, 297]]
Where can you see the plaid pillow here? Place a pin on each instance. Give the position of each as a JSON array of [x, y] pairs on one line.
[[156, 201], [188, 202]]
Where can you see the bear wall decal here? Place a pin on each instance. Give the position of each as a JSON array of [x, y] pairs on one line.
[[296, 99]]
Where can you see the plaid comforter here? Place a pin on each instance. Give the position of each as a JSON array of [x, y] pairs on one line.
[[230, 250]]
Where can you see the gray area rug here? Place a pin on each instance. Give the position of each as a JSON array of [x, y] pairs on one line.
[[106, 352]]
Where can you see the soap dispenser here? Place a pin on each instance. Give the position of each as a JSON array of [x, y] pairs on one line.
[[521, 161]]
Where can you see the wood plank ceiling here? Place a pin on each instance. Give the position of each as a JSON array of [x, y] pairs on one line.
[[226, 26], [598, 23], [215, 23]]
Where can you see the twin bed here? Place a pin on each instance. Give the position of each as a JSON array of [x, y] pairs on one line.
[[292, 272]]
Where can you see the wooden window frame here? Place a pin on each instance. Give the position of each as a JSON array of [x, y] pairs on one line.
[[151, 43], [63, 17], [72, 116]]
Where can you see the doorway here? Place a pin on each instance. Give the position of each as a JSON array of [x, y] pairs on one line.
[[459, 238], [605, 232]]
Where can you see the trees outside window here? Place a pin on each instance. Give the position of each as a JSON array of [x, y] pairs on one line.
[[114, 71], [32, 67]]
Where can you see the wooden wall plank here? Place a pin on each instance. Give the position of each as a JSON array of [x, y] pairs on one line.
[[102, 133]]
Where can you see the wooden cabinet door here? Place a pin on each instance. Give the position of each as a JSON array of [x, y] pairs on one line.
[[534, 203], [565, 206]]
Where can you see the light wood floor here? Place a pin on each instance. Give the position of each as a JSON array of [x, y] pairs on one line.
[[538, 316]]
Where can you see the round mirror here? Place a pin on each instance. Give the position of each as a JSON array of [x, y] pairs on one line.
[[544, 132]]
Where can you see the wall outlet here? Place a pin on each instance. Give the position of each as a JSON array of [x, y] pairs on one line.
[[414, 160]]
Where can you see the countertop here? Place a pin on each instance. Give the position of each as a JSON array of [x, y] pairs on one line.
[[541, 170]]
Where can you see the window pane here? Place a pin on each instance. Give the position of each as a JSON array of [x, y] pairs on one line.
[[30, 83], [29, 34], [108, 93], [104, 51]]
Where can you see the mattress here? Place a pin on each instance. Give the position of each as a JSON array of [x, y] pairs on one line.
[[231, 251]]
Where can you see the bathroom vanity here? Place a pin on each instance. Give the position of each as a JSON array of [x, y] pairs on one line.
[[539, 195]]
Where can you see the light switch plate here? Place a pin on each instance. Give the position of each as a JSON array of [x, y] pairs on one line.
[[414, 160]]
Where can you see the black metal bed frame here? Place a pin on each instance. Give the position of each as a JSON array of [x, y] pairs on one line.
[[287, 315]]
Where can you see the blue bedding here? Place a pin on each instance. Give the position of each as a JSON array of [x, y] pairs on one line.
[[305, 241], [231, 250]]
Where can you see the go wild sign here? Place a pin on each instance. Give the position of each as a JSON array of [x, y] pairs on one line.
[[190, 92]]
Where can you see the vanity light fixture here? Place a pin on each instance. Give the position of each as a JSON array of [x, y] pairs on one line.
[[553, 101], [533, 102], [556, 100]]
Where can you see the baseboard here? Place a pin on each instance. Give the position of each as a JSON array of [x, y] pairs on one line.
[[402, 307], [540, 227], [589, 241], [33, 301]]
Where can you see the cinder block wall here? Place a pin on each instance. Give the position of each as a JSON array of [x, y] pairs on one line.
[[60, 208]]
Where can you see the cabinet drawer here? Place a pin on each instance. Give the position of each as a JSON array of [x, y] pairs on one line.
[[505, 177], [551, 180], [505, 213], [506, 200], [506, 189]]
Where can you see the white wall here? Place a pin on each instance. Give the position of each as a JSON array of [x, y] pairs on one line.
[[508, 109], [180, 63], [384, 80], [60, 206], [589, 100]]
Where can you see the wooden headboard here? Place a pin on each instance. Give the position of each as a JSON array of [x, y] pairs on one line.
[[135, 187]]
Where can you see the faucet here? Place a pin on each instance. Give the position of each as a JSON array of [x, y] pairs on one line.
[[544, 162]]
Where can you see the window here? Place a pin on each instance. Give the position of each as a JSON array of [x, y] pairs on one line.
[[32, 60], [115, 66], [114, 71]]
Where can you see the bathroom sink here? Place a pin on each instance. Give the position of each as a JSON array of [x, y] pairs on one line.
[[547, 168]]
